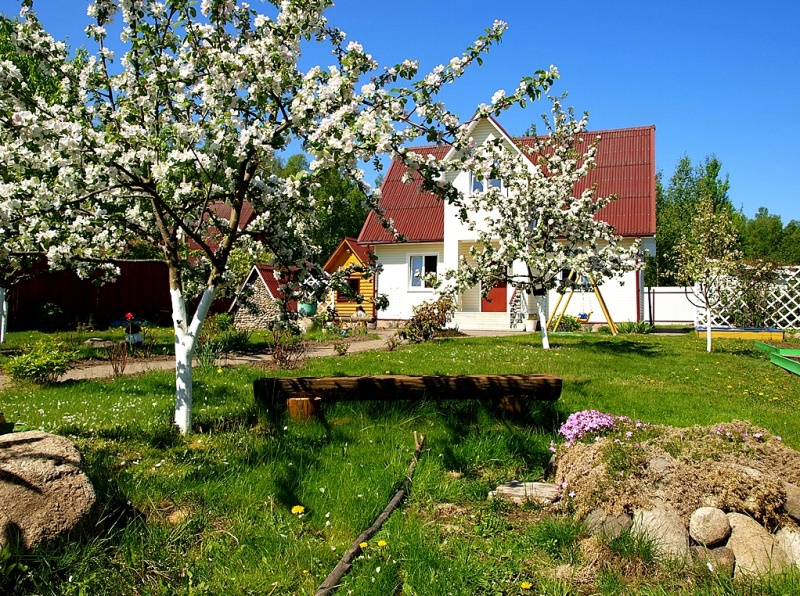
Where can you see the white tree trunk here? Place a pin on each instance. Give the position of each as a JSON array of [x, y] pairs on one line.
[[185, 342], [708, 328], [543, 323], [3, 315]]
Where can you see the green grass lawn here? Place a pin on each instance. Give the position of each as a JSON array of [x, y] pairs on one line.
[[211, 513]]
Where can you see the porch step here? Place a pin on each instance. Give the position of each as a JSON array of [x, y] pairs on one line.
[[484, 321]]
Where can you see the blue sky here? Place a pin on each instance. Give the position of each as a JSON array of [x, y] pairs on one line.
[[714, 76]]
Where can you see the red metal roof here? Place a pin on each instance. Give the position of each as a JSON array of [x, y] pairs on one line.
[[418, 216], [625, 166]]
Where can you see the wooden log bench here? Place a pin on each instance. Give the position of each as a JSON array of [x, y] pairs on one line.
[[304, 396]]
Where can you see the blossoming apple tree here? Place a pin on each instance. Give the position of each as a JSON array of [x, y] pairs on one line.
[[529, 214], [708, 258], [171, 142]]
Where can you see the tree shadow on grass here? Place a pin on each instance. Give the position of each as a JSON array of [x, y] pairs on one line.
[[622, 347]]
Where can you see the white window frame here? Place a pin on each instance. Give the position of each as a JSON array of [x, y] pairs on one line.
[[476, 185], [422, 284]]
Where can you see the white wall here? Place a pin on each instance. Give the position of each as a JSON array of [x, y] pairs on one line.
[[394, 279], [668, 305]]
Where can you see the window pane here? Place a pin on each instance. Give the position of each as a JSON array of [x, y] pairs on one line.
[[416, 272], [477, 185], [430, 264]]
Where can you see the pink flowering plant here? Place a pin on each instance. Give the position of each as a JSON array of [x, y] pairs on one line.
[[585, 422]]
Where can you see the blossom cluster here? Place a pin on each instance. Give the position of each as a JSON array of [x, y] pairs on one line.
[[586, 422]]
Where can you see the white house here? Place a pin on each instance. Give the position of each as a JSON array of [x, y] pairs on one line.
[[436, 238]]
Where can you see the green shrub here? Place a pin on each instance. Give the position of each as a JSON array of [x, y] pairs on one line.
[[45, 362], [569, 323], [635, 327], [235, 340], [428, 319]]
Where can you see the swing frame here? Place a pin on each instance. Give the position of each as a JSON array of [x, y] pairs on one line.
[[559, 311]]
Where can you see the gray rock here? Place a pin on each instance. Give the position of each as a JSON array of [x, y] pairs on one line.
[[709, 526], [552, 467], [665, 528], [788, 539], [792, 504], [44, 493], [718, 560], [755, 549], [526, 492], [600, 523]]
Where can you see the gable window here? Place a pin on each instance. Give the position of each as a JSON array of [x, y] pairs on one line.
[[477, 185], [421, 268], [353, 283]]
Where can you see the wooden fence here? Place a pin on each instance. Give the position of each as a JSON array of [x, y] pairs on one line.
[[60, 299]]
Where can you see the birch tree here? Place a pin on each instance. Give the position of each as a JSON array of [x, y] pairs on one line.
[[172, 142], [708, 257], [530, 214]]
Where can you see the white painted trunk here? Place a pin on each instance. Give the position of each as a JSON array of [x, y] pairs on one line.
[[543, 324], [708, 328], [185, 342], [3, 315]]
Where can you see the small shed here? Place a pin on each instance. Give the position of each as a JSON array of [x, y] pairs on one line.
[[260, 308], [350, 253]]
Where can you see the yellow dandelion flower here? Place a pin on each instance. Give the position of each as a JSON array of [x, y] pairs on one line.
[[526, 585], [219, 371], [363, 545], [298, 509], [381, 543]]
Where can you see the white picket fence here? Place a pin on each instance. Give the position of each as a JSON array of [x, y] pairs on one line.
[[670, 305]]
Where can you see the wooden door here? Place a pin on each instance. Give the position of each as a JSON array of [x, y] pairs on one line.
[[496, 300]]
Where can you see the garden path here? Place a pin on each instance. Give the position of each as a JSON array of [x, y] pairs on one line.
[[104, 370]]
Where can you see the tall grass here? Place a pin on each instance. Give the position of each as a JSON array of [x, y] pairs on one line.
[[211, 513]]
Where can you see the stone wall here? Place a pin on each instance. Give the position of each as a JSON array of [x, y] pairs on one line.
[[260, 310]]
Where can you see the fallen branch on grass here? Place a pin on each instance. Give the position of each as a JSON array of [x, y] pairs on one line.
[[343, 566]]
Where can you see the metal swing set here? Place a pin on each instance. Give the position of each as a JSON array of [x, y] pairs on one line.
[[559, 310]]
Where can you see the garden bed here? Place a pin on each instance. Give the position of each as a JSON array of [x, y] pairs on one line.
[[749, 333]]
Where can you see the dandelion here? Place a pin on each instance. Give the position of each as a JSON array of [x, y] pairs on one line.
[[381, 543], [219, 371], [298, 510], [526, 585], [363, 545]]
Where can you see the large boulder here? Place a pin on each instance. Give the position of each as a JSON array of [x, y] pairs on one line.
[[601, 523], [792, 505], [757, 552], [709, 526], [665, 528], [44, 492], [789, 540]]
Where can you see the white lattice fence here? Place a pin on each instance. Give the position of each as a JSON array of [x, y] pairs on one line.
[[782, 306]]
